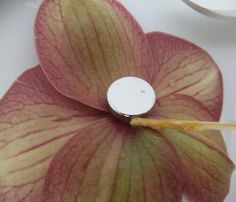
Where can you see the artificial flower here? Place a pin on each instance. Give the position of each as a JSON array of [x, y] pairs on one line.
[[58, 139]]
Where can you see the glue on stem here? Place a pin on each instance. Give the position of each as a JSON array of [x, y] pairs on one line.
[[186, 125]]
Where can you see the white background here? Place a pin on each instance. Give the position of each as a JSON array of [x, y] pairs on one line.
[[218, 37]]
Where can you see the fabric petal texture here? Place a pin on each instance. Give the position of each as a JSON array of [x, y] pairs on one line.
[[112, 162], [85, 45], [184, 68], [206, 166], [35, 122]]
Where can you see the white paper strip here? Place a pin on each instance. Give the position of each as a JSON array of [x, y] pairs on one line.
[[222, 9]]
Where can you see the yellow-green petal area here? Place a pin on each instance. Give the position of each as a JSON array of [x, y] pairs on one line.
[[120, 164], [207, 169], [206, 166], [84, 45], [35, 122]]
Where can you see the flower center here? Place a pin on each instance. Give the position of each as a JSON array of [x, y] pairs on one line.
[[130, 97]]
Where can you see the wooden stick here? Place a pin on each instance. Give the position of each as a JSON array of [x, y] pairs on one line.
[[181, 124]]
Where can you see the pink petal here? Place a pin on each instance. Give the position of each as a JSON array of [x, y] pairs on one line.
[[184, 68], [206, 167], [184, 107], [113, 162], [85, 45], [35, 122]]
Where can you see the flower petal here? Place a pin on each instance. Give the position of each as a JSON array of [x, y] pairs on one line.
[[35, 122], [207, 170], [184, 107], [84, 45], [113, 162], [206, 166], [184, 68]]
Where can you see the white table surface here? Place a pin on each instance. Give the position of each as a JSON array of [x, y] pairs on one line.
[[218, 37]]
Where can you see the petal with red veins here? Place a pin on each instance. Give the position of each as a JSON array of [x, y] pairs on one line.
[[207, 168], [35, 122], [113, 162], [184, 68], [84, 45], [184, 107]]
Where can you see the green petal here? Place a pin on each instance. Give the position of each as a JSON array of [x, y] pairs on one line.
[[207, 170], [35, 122], [184, 107], [206, 167], [185, 68], [112, 162], [84, 45]]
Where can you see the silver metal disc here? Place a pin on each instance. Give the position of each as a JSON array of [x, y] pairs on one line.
[[131, 96]]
